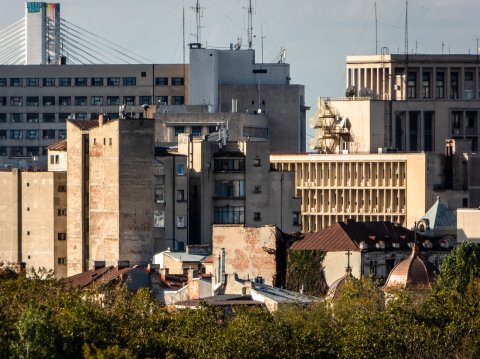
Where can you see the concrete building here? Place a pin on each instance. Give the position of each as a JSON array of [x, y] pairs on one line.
[[33, 223], [407, 102], [396, 187], [111, 183], [468, 227]]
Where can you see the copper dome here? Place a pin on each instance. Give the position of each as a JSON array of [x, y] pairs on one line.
[[411, 273]]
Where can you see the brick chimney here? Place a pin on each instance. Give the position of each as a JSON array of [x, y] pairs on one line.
[[193, 290]]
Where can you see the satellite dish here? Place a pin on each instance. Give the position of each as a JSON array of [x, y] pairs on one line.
[[238, 44]]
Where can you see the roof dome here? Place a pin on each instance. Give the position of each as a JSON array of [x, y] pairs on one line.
[[411, 273]]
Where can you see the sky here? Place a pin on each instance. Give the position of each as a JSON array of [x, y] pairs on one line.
[[317, 34]]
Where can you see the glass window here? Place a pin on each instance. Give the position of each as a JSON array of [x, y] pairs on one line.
[[3, 134], [33, 151], [178, 100], [129, 81], [33, 82], [16, 82], [297, 218], [196, 130], [81, 115], [180, 170], [49, 117], [229, 164], [457, 123], [3, 82], [428, 132], [179, 130], [161, 100], [440, 86], [177, 81], [113, 81], [80, 81], [62, 134], [160, 193], [61, 236], [48, 100], [454, 85], [16, 151], [180, 195], [80, 100], [426, 85], [468, 85], [161, 81], [48, 134], [230, 189], [16, 134], [96, 100], [32, 134], [129, 100], [64, 81], [3, 117], [229, 215], [412, 85], [62, 116], [145, 100], [113, 100], [94, 116], [3, 101], [414, 118], [33, 117], [64, 100], [33, 100], [96, 81], [16, 101], [159, 219], [3, 151], [49, 82], [16, 117]]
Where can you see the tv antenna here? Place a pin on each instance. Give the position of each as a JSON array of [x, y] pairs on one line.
[[250, 24], [376, 30], [199, 14]]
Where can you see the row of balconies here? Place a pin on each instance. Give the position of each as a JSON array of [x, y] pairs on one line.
[[387, 210], [312, 184]]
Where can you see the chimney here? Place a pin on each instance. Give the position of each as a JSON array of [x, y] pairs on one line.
[[100, 120], [98, 264], [193, 284]]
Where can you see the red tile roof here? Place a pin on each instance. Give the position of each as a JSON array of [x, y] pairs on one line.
[[348, 236], [58, 146]]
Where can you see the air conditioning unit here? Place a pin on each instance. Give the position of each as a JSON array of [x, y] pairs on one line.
[[312, 184], [361, 210], [347, 209], [374, 210], [334, 210], [312, 209], [403, 210], [362, 183], [368, 183], [348, 183], [389, 210], [345, 152], [306, 184]]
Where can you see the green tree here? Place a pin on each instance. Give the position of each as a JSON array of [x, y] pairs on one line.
[[305, 272]]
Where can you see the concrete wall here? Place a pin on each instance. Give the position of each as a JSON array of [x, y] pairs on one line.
[[246, 250], [468, 227], [335, 264], [10, 220]]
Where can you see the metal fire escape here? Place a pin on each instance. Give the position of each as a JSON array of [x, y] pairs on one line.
[[332, 130]]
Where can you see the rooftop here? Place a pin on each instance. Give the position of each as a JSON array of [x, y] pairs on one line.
[[58, 146]]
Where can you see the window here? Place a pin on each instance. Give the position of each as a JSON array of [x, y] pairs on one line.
[[161, 100], [428, 131], [94, 116], [178, 100], [62, 261], [81, 81], [229, 215], [145, 100], [471, 120], [161, 81], [63, 116], [64, 100], [3, 134], [177, 81], [257, 189], [373, 267], [33, 151], [212, 129], [143, 74], [32, 134], [440, 84], [468, 85], [16, 101], [297, 218], [16, 117], [62, 212], [426, 85], [16, 134], [180, 195], [49, 117], [129, 100], [96, 81], [159, 219], [3, 117], [3, 82], [113, 81], [257, 162], [16, 82], [48, 100], [456, 123], [64, 81], [96, 100], [80, 100], [48, 134], [160, 193], [62, 134], [229, 164], [62, 236], [179, 130], [33, 82], [33, 101], [113, 100], [3, 101], [56, 158], [180, 170], [16, 151], [62, 188], [414, 118], [230, 189], [33, 117], [454, 85], [412, 85], [257, 216], [129, 81], [81, 115], [49, 82], [3, 151]]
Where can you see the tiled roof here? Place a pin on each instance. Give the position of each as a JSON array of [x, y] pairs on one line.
[[85, 278], [84, 124], [58, 146], [348, 236], [221, 300]]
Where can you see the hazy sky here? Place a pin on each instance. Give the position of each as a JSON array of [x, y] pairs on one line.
[[317, 34]]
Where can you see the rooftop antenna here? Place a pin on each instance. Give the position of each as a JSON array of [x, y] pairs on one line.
[[183, 34], [250, 24], [406, 28], [263, 37], [376, 30], [199, 15]]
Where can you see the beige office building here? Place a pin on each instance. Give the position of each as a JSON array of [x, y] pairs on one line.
[[366, 187]]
